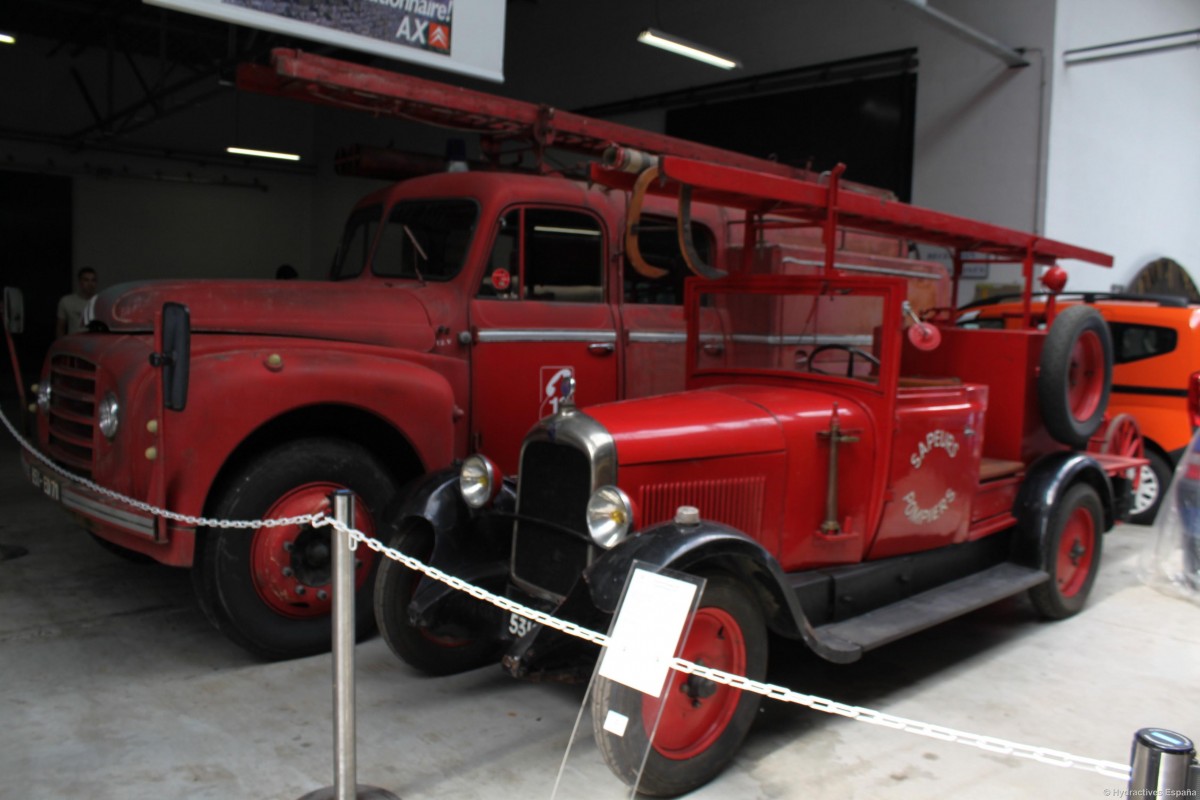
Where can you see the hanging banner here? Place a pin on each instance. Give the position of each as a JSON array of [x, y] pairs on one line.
[[464, 36]]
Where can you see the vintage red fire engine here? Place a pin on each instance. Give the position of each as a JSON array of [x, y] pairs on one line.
[[459, 302], [839, 471]]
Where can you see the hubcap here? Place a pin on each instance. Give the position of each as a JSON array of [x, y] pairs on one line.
[[1146, 492], [292, 564], [695, 711], [1075, 553]]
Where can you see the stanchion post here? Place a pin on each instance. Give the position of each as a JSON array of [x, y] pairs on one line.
[[345, 768], [1162, 762]]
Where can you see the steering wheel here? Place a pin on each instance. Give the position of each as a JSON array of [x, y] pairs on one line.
[[851, 351]]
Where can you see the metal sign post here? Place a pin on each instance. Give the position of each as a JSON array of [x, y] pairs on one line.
[[345, 786]]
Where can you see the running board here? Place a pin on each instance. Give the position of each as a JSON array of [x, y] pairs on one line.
[[883, 625]]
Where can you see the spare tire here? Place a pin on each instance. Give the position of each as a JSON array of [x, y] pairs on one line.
[[1076, 375]]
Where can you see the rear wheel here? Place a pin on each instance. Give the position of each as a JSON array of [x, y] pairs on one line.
[[432, 651], [269, 590], [702, 723], [1070, 553], [1152, 486]]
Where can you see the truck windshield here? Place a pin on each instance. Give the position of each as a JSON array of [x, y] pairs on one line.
[[810, 329], [426, 240], [356, 242]]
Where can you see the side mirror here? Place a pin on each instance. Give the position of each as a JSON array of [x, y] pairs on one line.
[[175, 356], [14, 310]]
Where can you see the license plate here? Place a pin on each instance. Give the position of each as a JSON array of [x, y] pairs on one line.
[[47, 485], [518, 626]]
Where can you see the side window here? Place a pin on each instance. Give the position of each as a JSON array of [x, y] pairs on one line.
[[356, 243], [1136, 342], [502, 280], [547, 254], [659, 245]]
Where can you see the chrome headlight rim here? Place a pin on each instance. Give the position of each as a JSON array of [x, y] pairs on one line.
[[108, 415], [44, 394], [478, 481], [609, 516]]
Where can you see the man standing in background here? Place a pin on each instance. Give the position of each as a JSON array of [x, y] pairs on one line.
[[70, 307]]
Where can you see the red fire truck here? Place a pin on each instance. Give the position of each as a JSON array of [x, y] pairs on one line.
[[839, 471], [459, 302]]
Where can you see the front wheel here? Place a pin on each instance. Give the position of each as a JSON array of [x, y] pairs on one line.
[[444, 650], [1070, 553], [702, 723], [270, 590]]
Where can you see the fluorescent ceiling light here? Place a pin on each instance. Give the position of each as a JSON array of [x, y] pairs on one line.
[[242, 151], [683, 47], [7, 39]]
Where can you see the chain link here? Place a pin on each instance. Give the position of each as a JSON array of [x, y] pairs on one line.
[[989, 744]]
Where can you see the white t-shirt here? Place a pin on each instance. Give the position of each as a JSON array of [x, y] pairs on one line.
[[70, 309]]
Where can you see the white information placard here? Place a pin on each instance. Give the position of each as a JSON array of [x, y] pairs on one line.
[[464, 36], [645, 635]]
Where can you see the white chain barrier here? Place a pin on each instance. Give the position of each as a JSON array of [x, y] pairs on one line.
[[1055, 758]]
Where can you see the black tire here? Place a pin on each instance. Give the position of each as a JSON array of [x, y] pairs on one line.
[[1075, 375], [1148, 496], [434, 652], [241, 577], [695, 757], [1070, 553]]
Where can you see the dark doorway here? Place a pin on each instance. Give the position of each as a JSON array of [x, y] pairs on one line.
[[867, 124], [35, 226]]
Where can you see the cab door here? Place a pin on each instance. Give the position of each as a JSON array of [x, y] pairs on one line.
[[540, 315]]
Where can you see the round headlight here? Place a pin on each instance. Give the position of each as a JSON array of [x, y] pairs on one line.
[[478, 481], [43, 396], [108, 415], [609, 516]]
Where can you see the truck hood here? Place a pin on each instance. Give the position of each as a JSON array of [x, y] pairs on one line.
[[391, 316], [689, 425]]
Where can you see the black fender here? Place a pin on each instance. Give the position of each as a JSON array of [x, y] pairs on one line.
[[471, 544], [711, 546], [1045, 484]]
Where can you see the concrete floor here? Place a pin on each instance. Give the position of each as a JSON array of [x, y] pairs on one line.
[[114, 686]]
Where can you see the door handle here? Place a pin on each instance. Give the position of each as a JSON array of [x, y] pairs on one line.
[[601, 348], [714, 349]]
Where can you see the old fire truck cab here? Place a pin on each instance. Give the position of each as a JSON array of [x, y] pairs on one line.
[[838, 470]]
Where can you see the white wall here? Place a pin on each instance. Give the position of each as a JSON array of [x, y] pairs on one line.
[[1125, 139]]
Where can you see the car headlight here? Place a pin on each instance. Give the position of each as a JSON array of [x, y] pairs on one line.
[[43, 395], [609, 516], [108, 415], [478, 481]]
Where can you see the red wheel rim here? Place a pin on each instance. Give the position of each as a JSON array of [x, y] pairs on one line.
[[1124, 439], [291, 564], [696, 712], [1076, 550], [1085, 380]]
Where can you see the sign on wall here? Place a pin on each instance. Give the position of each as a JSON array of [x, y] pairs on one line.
[[464, 36]]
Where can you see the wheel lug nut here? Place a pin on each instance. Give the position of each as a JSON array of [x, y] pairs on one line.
[[300, 590], [287, 546], [288, 572], [322, 595]]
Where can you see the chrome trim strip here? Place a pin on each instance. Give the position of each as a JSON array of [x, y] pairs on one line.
[[126, 520], [657, 337], [896, 271], [545, 335]]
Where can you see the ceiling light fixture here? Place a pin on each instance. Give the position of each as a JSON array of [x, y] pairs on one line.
[[682, 47], [6, 38], [242, 151]]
